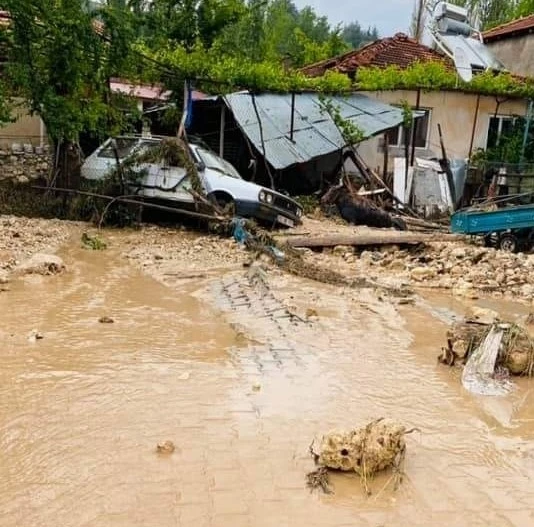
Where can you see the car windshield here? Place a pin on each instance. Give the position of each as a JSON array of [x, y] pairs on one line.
[[212, 161], [125, 146]]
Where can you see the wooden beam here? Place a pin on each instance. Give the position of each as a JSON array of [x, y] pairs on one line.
[[366, 239]]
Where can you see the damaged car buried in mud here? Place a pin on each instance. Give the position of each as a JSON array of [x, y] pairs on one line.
[[164, 182]]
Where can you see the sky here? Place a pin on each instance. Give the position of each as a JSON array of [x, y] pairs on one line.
[[389, 16]]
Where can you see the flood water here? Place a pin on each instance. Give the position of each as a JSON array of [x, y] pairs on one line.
[[82, 410]]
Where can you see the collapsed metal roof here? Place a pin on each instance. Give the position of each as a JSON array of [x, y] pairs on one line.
[[314, 132]]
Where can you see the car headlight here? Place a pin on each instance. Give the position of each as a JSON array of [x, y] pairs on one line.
[[266, 197]]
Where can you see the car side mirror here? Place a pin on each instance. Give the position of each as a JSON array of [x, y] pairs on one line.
[[201, 166]]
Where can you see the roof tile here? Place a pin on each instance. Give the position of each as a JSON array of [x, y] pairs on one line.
[[399, 50], [510, 29]]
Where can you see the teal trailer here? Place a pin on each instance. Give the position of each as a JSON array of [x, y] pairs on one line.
[[508, 228]]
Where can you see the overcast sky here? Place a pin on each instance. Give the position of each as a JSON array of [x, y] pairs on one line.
[[389, 16]]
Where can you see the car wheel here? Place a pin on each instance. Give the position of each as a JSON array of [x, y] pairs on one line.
[[508, 243], [224, 202]]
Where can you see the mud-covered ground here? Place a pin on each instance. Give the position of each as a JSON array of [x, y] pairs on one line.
[[240, 367]]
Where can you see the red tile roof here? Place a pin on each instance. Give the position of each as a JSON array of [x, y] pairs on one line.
[[515, 28], [399, 50]]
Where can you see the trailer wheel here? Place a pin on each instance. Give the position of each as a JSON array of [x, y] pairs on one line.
[[508, 243]]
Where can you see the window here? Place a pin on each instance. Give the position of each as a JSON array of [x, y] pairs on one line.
[[397, 136], [499, 125]]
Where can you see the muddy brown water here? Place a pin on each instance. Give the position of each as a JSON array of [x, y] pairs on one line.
[[81, 410]]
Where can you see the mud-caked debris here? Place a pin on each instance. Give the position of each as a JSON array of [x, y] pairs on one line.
[[43, 264], [165, 447], [367, 450], [516, 351]]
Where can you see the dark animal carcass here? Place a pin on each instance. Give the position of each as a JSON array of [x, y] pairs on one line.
[[360, 211]]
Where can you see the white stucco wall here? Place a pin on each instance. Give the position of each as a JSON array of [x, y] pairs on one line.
[[455, 112], [516, 53]]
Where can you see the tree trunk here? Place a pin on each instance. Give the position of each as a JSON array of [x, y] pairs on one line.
[[67, 164]]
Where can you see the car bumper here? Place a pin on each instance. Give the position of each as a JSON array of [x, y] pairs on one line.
[[267, 213]]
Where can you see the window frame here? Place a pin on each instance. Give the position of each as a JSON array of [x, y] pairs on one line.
[[399, 129], [501, 117]]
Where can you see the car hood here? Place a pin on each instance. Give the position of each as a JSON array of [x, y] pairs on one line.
[[239, 189]]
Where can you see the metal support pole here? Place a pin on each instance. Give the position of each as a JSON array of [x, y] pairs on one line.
[[221, 131], [527, 130], [291, 130]]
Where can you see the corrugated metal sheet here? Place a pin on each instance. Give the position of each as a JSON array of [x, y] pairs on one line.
[[314, 133]]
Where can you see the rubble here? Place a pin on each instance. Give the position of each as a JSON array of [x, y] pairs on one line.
[[21, 238], [466, 270]]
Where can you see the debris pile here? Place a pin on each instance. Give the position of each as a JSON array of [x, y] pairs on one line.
[[22, 237], [367, 450], [516, 349], [466, 270]]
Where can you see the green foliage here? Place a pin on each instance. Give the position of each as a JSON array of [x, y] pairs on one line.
[[407, 115], [61, 65], [356, 37], [95, 243], [509, 147], [352, 135]]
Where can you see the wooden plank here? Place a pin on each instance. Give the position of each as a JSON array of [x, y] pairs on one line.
[[363, 239]]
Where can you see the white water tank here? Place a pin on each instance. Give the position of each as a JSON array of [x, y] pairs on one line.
[[454, 12]]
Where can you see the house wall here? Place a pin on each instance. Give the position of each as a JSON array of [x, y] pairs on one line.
[[517, 53], [455, 111], [26, 129]]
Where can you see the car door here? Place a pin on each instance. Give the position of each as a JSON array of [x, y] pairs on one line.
[[164, 181]]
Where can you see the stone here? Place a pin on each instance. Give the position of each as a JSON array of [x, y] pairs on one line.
[[527, 290], [458, 252], [483, 315], [22, 180], [166, 447], [44, 264], [422, 273], [342, 249]]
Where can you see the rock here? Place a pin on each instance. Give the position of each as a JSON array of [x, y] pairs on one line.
[[167, 447], [35, 335], [22, 180], [483, 315], [106, 320], [45, 264], [342, 249], [422, 273], [517, 362], [458, 252], [311, 312], [4, 279], [527, 290], [256, 387]]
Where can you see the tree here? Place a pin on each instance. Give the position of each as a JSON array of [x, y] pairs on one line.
[[61, 57], [356, 37]]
